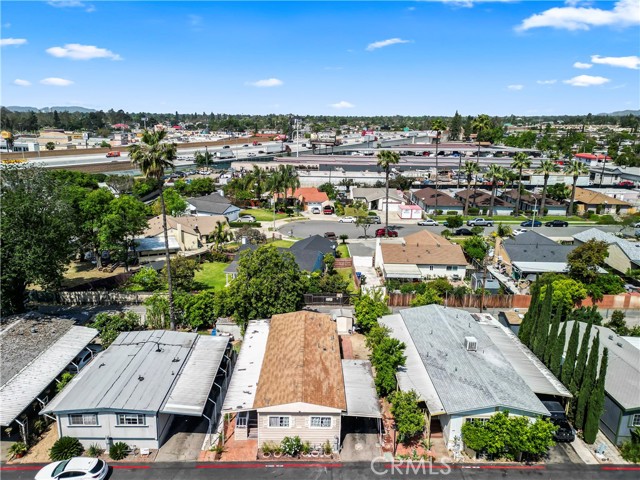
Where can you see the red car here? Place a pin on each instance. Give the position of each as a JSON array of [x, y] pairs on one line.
[[113, 154], [389, 233]]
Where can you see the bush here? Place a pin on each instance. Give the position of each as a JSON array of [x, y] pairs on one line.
[[446, 233], [606, 220], [454, 221], [64, 380], [291, 446], [118, 451], [217, 257], [245, 224], [95, 450], [477, 230], [452, 213], [65, 448], [473, 211], [18, 449], [146, 279]]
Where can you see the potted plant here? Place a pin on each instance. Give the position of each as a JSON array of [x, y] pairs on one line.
[[277, 451], [267, 449], [306, 449], [326, 449], [18, 449]]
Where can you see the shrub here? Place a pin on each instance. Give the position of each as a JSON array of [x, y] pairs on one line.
[[326, 448], [18, 449], [477, 230], [95, 450], [344, 238], [218, 257], [454, 221], [452, 213], [446, 233], [64, 380], [119, 450], [306, 448], [473, 211], [268, 448], [65, 448], [146, 279], [244, 224], [291, 446]]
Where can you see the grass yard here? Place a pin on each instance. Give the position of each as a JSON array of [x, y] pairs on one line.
[[520, 218], [347, 274], [343, 250], [263, 215], [281, 243], [212, 275]]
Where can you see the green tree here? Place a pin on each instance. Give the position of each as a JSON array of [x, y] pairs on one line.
[[409, 419], [203, 159], [220, 235], [387, 158], [470, 170], [520, 162], [428, 297], [569, 364], [183, 272], [575, 168], [566, 293], [585, 261], [110, 325], [37, 229], [558, 349], [146, 279], [197, 309], [268, 282], [527, 327], [541, 333], [105, 144], [174, 203], [588, 382], [454, 221], [199, 187], [595, 406], [494, 174], [93, 208], [125, 220], [454, 127], [581, 361], [617, 323], [50, 146], [368, 309], [550, 344], [547, 167], [475, 248], [153, 157], [559, 192]]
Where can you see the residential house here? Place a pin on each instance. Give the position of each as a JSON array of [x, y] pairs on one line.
[[596, 202], [533, 201], [593, 160], [488, 282], [422, 255], [425, 198], [308, 198], [482, 200], [190, 232], [625, 194], [213, 204], [612, 175], [375, 198], [459, 373], [623, 254], [135, 389]]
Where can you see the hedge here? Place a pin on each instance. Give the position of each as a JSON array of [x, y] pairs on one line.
[[244, 224]]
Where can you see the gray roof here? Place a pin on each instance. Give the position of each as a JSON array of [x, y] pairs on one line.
[[141, 371], [622, 382], [360, 389], [464, 380], [213, 203], [306, 256], [630, 249], [23, 382], [373, 194], [533, 247], [314, 242], [529, 367]]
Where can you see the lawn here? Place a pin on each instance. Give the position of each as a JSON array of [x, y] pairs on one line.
[[263, 215], [347, 274], [518, 219], [281, 243], [212, 275], [343, 251]]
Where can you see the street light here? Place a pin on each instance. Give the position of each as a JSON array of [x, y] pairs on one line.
[[535, 208]]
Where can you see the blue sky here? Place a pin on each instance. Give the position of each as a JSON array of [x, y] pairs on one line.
[[343, 58]]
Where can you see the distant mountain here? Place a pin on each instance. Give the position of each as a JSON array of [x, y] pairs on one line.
[[71, 109], [623, 113]]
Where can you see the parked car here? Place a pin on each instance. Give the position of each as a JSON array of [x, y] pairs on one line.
[[386, 232], [113, 154], [247, 218], [328, 210], [479, 222], [374, 219], [331, 236], [316, 210], [348, 219], [531, 223], [251, 154], [557, 223], [463, 232], [226, 146], [245, 145], [518, 231], [565, 432], [83, 358], [428, 222], [78, 468]]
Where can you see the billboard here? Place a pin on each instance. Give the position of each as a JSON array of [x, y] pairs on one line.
[[324, 138]]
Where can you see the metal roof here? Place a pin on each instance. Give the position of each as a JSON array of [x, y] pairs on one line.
[[25, 386], [529, 367], [465, 380], [630, 249], [137, 373], [413, 375], [191, 390], [360, 389], [153, 244], [397, 270], [244, 381]]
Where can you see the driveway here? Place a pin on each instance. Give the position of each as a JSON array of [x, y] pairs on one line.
[[564, 453], [185, 440], [360, 447]]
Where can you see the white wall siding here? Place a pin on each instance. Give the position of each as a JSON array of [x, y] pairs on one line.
[[299, 426], [441, 271]]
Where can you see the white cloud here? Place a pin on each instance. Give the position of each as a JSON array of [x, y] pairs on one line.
[[471, 3], [6, 25], [22, 83], [515, 88], [72, 4], [386, 43], [5, 42], [546, 82], [625, 13], [56, 82], [75, 51], [582, 65], [586, 81], [632, 62], [267, 82], [341, 105]]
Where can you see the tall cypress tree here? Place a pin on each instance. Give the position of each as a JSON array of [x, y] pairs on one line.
[[595, 407], [528, 322], [588, 381], [570, 359], [550, 345], [541, 333], [558, 349], [581, 361]]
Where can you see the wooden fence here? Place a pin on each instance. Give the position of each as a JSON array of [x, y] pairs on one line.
[[91, 297]]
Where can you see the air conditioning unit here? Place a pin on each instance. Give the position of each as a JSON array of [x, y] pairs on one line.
[[470, 344]]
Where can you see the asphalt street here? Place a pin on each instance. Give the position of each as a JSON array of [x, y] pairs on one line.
[[340, 471]]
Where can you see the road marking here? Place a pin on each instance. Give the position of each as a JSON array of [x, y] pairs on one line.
[[621, 468], [10, 469], [269, 465], [130, 467]]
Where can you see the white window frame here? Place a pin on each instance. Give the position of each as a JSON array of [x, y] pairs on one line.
[[321, 419], [131, 420], [482, 420], [86, 419], [635, 420], [280, 421]]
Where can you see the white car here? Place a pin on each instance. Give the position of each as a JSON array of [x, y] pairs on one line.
[[518, 231], [83, 358], [78, 468], [428, 222], [348, 220], [247, 218]]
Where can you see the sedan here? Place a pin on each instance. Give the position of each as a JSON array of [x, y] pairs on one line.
[[531, 223], [428, 222], [79, 468], [389, 233], [348, 220], [557, 223], [518, 231], [463, 232], [247, 218]]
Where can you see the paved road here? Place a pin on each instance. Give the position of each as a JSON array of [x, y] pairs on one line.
[[337, 471]]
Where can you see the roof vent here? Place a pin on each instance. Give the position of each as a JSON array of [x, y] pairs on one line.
[[619, 344], [610, 337], [470, 344]]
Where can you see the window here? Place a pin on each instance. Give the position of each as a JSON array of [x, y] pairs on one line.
[[278, 422], [635, 420], [130, 419], [320, 422], [476, 420], [83, 419], [430, 267]]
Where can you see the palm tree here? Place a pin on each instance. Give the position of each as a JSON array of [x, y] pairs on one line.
[[520, 161], [153, 157], [386, 158], [470, 170], [494, 174], [439, 126], [280, 181], [220, 235], [575, 168], [257, 179], [480, 124], [547, 167]]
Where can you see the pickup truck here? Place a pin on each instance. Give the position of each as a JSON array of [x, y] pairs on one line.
[[479, 222]]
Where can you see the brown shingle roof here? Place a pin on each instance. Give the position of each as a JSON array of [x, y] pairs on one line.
[[478, 197], [428, 197], [589, 197], [425, 237], [302, 362], [413, 254]]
